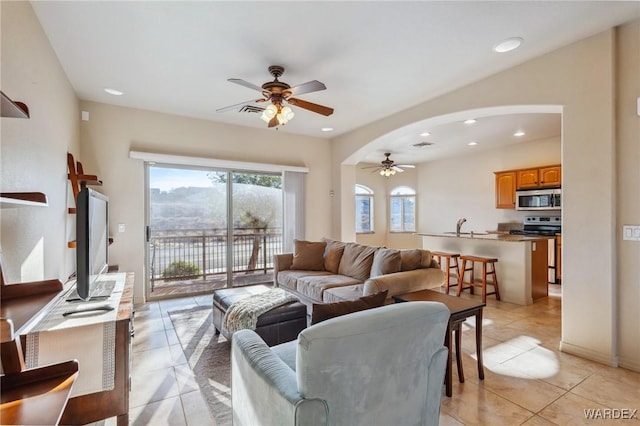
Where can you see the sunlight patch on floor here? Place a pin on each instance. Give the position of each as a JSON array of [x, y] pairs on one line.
[[546, 363]]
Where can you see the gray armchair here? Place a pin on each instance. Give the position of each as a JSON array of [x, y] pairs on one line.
[[382, 366]]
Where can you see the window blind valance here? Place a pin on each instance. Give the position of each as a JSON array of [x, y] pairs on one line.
[[214, 163]]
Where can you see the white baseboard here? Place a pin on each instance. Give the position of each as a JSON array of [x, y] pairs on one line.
[[607, 359], [629, 363]]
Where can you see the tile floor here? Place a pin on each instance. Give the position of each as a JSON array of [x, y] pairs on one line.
[[527, 380]]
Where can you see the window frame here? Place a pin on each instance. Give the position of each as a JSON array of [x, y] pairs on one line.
[[363, 192], [403, 193]]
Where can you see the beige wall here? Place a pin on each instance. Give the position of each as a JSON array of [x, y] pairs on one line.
[[33, 151], [580, 79], [464, 186], [628, 194], [382, 187], [112, 132]]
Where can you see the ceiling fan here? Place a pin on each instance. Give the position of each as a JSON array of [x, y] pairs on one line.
[[280, 94], [388, 167]]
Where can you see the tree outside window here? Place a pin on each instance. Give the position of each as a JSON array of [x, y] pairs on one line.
[[402, 210], [364, 209]]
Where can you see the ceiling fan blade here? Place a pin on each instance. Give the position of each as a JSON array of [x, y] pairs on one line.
[[308, 87], [241, 104], [320, 109], [406, 166], [244, 83], [397, 169]]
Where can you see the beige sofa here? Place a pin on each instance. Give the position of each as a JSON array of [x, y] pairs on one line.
[[333, 271]]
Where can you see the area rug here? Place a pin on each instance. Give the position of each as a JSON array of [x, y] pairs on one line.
[[209, 356]]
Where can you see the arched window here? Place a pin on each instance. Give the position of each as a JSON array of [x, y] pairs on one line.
[[402, 210], [364, 209]]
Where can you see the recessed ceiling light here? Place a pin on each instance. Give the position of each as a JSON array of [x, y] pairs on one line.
[[327, 129], [508, 45], [113, 92], [470, 121], [519, 133], [472, 143], [425, 134]]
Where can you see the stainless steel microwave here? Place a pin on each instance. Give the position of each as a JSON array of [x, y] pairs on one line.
[[539, 199]]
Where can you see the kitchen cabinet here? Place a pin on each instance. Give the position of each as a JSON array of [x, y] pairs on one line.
[[505, 190], [508, 181], [550, 176], [558, 258], [527, 178], [539, 177]]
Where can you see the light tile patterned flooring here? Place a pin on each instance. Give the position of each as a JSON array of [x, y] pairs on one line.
[[527, 380]]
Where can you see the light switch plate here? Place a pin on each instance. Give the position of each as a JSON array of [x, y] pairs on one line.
[[631, 232], [121, 227]]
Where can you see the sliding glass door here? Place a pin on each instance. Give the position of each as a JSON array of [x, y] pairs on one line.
[[256, 220], [209, 229]]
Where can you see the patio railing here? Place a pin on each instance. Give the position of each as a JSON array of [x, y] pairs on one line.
[[188, 254]]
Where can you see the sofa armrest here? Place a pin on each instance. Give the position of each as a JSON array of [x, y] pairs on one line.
[[281, 262], [264, 389], [404, 282]]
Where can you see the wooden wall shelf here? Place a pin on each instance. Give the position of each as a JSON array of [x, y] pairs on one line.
[[23, 199], [9, 108]]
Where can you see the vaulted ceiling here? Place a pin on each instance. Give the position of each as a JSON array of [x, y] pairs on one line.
[[376, 58]]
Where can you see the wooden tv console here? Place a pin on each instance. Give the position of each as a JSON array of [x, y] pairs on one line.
[[24, 302]]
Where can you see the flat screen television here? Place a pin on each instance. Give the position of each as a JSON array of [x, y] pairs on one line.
[[92, 240]]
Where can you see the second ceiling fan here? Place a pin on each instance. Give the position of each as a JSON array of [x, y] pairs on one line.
[[280, 94], [388, 167]]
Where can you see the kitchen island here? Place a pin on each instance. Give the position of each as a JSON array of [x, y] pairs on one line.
[[522, 260]]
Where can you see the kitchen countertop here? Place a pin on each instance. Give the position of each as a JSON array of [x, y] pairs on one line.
[[487, 236]]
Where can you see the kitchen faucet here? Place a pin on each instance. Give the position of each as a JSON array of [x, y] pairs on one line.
[[459, 225]]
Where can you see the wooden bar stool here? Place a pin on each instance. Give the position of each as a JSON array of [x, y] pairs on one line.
[[450, 263], [468, 263]]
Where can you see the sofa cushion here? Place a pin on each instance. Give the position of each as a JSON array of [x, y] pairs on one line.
[[385, 261], [289, 278], [308, 255], [314, 286], [332, 255], [325, 311], [356, 261], [340, 294]]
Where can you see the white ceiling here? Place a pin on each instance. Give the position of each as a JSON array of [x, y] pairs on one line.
[[376, 58]]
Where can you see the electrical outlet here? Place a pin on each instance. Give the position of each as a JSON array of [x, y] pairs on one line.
[[121, 227], [631, 232]]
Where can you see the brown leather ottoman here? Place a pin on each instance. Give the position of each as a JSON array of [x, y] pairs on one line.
[[279, 325]]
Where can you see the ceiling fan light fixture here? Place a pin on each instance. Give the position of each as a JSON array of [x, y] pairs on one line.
[[269, 112], [387, 172], [288, 113]]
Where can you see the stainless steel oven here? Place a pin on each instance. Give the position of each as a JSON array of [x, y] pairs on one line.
[[539, 199]]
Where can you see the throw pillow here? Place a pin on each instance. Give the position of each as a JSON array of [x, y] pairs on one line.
[[356, 261], [332, 255], [307, 255], [410, 259], [325, 311], [385, 261], [425, 261]]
